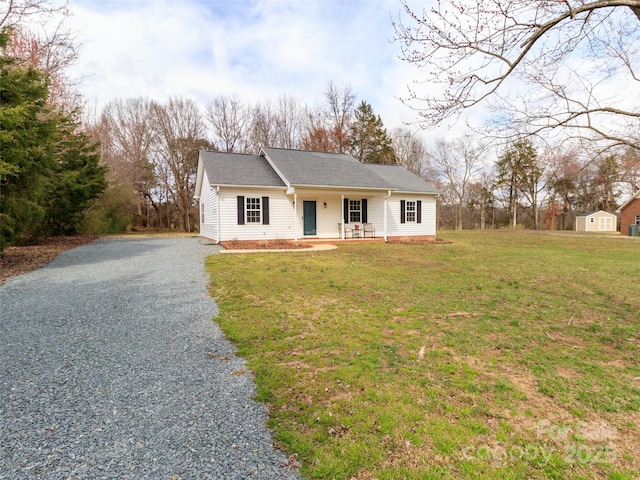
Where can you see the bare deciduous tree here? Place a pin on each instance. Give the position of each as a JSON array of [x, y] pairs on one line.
[[327, 126], [40, 39], [262, 131], [410, 151], [288, 123], [457, 162], [481, 200], [630, 168], [180, 130], [229, 120], [53, 54], [540, 65], [128, 143], [340, 106], [20, 12]]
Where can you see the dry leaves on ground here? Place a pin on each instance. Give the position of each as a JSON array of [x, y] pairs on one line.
[[22, 259]]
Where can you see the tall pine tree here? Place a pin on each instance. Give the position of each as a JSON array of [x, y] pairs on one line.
[[370, 142]]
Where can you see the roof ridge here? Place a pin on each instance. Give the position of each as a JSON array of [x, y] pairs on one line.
[[309, 151]]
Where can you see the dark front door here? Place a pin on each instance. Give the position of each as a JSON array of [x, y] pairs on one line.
[[309, 216]]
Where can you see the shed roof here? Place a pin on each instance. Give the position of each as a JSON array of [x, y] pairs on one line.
[[588, 214]]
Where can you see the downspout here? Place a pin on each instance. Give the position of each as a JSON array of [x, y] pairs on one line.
[[218, 213], [386, 198]]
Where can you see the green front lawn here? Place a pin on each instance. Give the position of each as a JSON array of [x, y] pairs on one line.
[[504, 354]]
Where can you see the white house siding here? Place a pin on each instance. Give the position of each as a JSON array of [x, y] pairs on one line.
[[280, 215], [284, 223], [329, 218], [209, 198], [397, 229]]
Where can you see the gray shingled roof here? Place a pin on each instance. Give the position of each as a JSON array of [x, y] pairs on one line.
[[402, 179], [239, 169], [586, 214], [305, 168]]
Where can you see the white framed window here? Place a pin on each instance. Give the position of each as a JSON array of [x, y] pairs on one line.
[[355, 211], [638, 219], [253, 210], [202, 218], [411, 211]]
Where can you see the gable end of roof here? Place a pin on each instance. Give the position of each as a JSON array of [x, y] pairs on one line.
[[238, 169], [625, 204]]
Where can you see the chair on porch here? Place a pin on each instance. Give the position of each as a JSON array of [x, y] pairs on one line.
[[368, 228], [348, 231]]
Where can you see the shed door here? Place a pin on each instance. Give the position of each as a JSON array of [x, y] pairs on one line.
[[309, 217], [605, 224]]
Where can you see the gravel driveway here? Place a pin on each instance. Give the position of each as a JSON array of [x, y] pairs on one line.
[[110, 367]]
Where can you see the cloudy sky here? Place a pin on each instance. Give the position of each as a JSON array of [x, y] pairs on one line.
[[258, 49]]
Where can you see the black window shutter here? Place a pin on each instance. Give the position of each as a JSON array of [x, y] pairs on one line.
[[419, 211], [364, 210], [265, 210], [240, 210], [403, 211], [346, 210]]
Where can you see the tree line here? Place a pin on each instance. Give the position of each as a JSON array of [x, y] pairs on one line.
[[133, 164], [542, 187], [151, 148]]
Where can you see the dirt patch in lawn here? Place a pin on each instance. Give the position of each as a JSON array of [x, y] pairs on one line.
[[263, 245], [22, 259]]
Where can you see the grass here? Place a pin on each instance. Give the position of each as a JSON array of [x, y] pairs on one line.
[[510, 355]]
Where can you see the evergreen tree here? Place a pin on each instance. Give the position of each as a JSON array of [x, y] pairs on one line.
[[25, 137], [48, 172], [78, 179], [370, 142]]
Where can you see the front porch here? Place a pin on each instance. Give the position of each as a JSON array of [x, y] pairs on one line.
[[340, 241], [330, 214]]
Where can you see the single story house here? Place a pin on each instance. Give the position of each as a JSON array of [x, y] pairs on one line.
[[630, 212], [297, 194], [599, 221]]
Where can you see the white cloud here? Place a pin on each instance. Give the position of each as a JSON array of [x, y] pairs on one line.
[[257, 49]]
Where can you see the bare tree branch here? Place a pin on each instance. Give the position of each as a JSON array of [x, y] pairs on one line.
[[518, 56]]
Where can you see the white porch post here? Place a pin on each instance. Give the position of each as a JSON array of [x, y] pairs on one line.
[[295, 216], [342, 217], [386, 198]]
